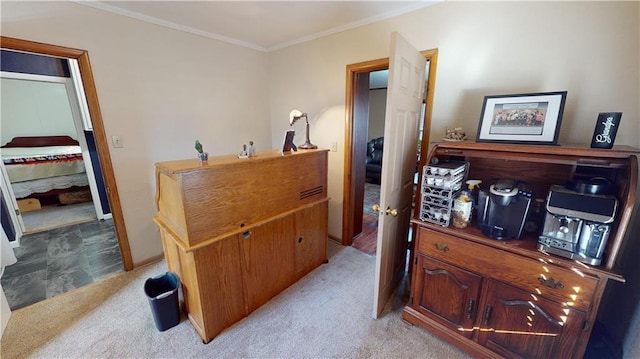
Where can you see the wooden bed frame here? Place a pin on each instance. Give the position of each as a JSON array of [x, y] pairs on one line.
[[43, 141]]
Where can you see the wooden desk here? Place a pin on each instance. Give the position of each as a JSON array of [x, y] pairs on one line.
[[239, 231]]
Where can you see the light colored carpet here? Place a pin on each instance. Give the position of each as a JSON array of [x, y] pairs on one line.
[[50, 217], [325, 314]]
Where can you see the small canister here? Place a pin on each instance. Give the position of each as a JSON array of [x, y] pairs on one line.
[[461, 212]]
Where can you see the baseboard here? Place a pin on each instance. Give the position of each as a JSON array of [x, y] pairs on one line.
[[337, 240], [149, 261]]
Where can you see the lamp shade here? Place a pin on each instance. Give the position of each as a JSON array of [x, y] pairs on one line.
[[294, 116]]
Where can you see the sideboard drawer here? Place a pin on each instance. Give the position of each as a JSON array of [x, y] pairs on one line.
[[572, 288]]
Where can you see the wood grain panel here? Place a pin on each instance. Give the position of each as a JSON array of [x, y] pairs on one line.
[[436, 281], [538, 277], [170, 205], [227, 194], [518, 327], [180, 262], [220, 282], [193, 295], [267, 260], [310, 240]]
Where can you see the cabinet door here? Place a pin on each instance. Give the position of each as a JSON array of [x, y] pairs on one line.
[[517, 324], [446, 294], [310, 238], [212, 286], [267, 259]]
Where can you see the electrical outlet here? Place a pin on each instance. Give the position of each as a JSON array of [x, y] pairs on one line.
[[334, 146], [116, 141]]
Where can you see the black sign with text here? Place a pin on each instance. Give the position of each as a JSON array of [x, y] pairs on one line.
[[606, 128]]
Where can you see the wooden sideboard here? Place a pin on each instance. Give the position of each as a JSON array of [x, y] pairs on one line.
[[239, 231], [497, 298]]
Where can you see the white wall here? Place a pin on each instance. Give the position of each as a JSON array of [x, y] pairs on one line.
[[377, 111], [34, 108], [159, 89], [590, 49]]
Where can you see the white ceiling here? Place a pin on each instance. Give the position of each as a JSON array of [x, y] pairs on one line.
[[260, 25]]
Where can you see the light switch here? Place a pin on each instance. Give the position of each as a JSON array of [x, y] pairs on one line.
[[116, 141]]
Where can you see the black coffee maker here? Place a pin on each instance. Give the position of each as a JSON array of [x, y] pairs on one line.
[[503, 209]]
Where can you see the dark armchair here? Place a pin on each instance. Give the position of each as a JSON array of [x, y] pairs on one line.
[[373, 160]]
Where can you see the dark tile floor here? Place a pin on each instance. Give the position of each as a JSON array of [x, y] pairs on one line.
[[56, 261]]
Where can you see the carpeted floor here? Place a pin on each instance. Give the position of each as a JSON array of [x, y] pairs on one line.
[[326, 314]]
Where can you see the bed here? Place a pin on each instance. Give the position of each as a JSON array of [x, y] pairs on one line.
[[44, 166]]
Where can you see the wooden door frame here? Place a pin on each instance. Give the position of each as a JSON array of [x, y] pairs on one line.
[[99, 134], [348, 203]]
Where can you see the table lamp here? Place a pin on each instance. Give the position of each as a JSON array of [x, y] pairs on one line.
[[294, 116]]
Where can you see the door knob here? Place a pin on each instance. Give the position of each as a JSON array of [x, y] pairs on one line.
[[375, 208], [393, 212]]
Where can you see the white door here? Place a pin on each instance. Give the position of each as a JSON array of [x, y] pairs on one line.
[[12, 205], [404, 100]]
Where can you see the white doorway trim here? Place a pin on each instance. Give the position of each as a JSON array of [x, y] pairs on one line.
[[12, 205]]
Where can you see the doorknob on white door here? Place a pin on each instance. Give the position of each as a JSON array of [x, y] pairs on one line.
[[393, 212]]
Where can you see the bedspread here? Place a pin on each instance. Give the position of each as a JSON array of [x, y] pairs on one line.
[[43, 185], [30, 163]]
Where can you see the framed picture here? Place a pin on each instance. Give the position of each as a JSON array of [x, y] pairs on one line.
[[288, 144], [532, 118]]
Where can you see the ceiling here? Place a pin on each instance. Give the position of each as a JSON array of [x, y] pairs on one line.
[[260, 25]]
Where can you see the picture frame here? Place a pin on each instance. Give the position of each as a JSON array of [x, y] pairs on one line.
[[288, 144], [530, 118]]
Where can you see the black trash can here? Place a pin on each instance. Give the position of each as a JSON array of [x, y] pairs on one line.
[[162, 292]]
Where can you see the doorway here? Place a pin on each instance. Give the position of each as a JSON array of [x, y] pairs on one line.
[[57, 185], [99, 135], [119, 247], [366, 229], [357, 98], [77, 254]]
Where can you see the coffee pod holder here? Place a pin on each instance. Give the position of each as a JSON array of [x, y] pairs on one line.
[[439, 185]]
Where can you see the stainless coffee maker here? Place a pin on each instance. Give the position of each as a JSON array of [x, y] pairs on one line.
[[577, 224]]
